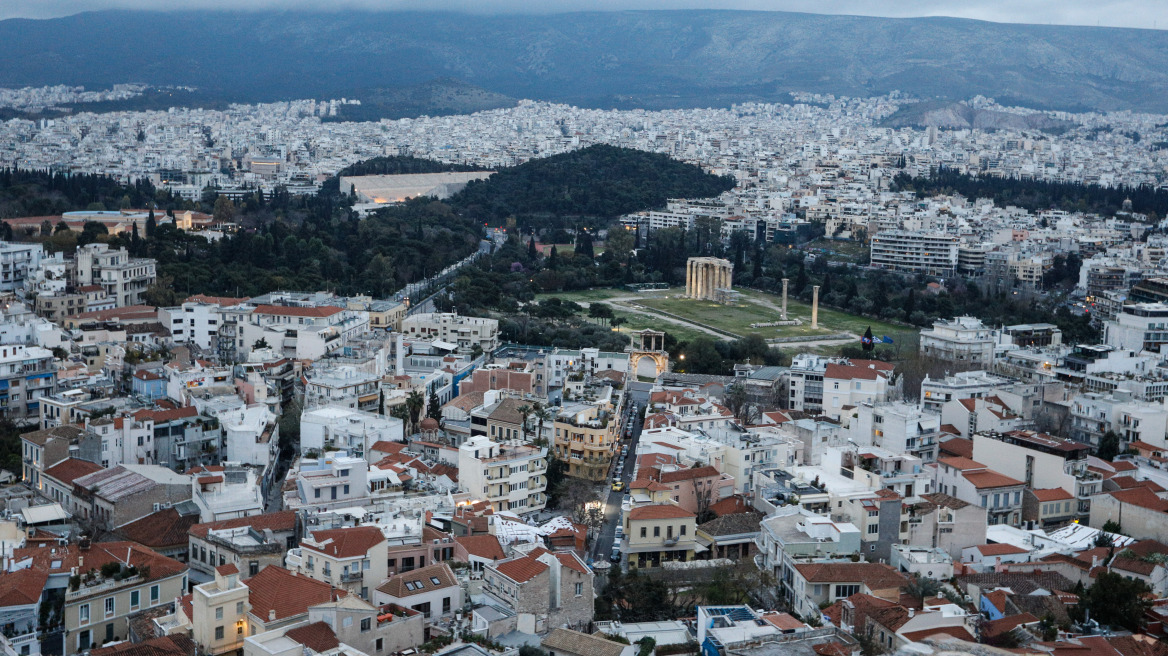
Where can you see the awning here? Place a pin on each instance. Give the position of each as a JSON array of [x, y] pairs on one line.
[[46, 514]]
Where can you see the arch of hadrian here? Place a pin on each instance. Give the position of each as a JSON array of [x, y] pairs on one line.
[[707, 277]]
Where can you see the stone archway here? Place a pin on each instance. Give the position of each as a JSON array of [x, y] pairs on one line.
[[660, 361]]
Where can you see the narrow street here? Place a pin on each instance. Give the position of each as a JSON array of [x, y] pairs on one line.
[[602, 547]]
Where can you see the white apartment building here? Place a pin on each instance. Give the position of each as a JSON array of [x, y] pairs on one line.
[[1093, 414], [123, 278], [297, 332], [26, 374], [1138, 327], [975, 483], [335, 480], [346, 428], [251, 434], [961, 339], [1041, 462], [17, 263], [933, 254], [896, 427], [936, 392], [509, 477], [342, 387], [464, 333], [196, 321]]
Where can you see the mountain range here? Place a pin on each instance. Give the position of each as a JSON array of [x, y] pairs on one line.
[[652, 59]]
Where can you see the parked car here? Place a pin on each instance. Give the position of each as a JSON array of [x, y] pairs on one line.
[[618, 486], [615, 556]]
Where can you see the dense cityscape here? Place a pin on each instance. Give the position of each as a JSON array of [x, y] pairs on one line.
[[842, 376]]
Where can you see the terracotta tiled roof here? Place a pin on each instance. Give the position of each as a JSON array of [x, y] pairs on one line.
[[876, 576], [318, 636], [483, 546], [521, 570], [419, 581], [176, 644], [70, 469], [289, 311], [166, 416], [983, 480], [160, 530], [731, 505], [1052, 494], [225, 301], [953, 631], [22, 587], [1006, 624], [571, 561], [566, 641], [958, 446], [659, 511], [1132, 565], [345, 542], [227, 570], [689, 474], [98, 554], [999, 549], [844, 372], [277, 589], [960, 463], [1143, 497], [63, 432], [277, 521]]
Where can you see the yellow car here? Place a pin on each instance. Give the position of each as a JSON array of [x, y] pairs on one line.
[[618, 486]]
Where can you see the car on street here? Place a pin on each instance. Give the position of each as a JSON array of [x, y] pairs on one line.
[[618, 486], [615, 556]]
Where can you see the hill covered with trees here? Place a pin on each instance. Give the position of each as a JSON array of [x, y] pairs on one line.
[[1036, 195], [589, 186]]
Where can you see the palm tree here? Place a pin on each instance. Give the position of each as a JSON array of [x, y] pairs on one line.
[[541, 415], [414, 403], [922, 588], [525, 412]]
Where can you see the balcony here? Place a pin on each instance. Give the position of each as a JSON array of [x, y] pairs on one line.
[[352, 577]]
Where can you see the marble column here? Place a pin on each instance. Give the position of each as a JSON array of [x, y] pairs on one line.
[[689, 279], [815, 306], [784, 299]]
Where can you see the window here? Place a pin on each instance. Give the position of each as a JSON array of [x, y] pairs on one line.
[[83, 640], [218, 633], [682, 529], [154, 592], [380, 644], [873, 529], [83, 614], [643, 531], [446, 604], [253, 567], [842, 591], [579, 589], [135, 599], [316, 493], [656, 531], [366, 624], [109, 606]]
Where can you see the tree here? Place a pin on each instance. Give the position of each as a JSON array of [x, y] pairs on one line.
[[434, 408], [414, 404], [224, 211], [524, 412], [1117, 600], [553, 260], [7, 231], [1108, 446], [600, 311], [90, 232], [619, 244], [1111, 526], [151, 224], [46, 228], [922, 587], [161, 292], [260, 343], [584, 244], [868, 343], [541, 415]]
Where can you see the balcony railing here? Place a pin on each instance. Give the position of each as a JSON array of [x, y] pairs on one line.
[[350, 577]]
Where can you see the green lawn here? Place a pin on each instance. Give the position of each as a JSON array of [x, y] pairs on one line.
[[752, 307]]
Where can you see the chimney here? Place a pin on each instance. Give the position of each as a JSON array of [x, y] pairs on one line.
[[911, 612], [272, 615]]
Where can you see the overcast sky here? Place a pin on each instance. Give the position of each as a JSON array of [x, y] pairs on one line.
[[1150, 14]]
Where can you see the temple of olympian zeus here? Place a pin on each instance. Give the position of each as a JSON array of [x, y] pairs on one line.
[[708, 278]]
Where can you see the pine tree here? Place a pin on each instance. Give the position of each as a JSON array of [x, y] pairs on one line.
[[532, 254], [869, 342], [826, 288], [910, 304], [757, 273], [553, 258], [150, 224]]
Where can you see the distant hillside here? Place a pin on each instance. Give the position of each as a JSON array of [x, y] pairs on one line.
[[944, 114], [593, 184], [601, 59], [440, 97]]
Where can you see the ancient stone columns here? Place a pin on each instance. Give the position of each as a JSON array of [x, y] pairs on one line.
[[704, 276], [815, 306]]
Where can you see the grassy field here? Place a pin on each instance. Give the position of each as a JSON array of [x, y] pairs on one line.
[[752, 307]]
